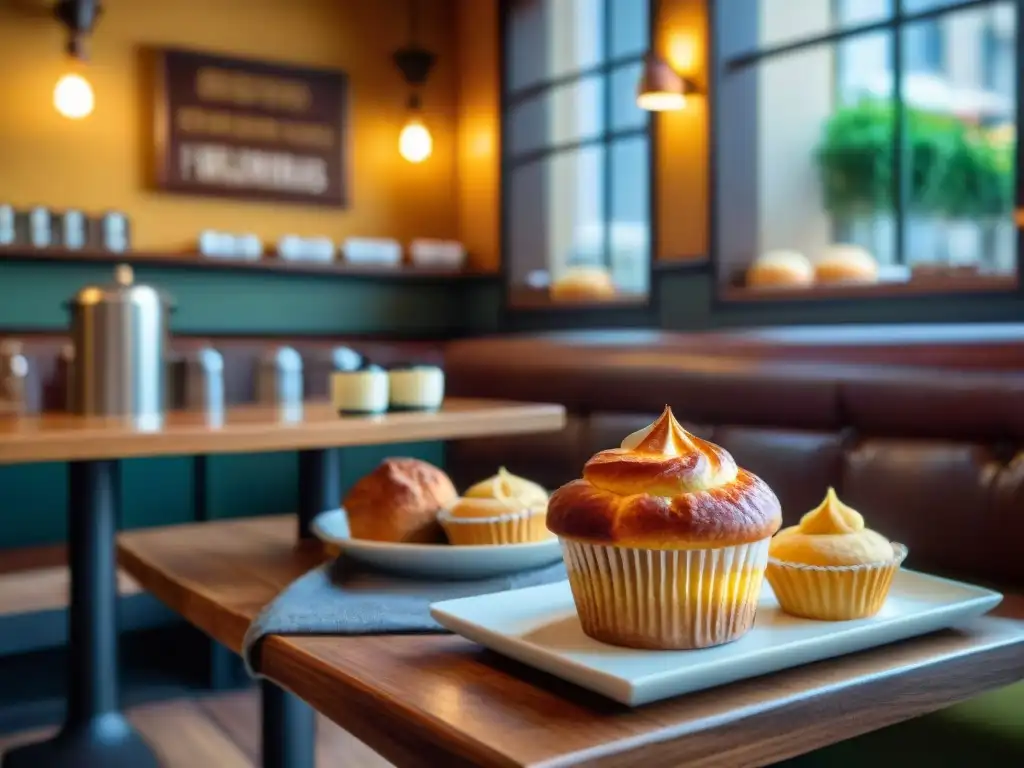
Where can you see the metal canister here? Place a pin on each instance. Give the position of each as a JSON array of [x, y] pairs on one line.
[[14, 372], [279, 380], [119, 333], [197, 380]]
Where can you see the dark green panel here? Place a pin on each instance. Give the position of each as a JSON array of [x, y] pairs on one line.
[[251, 484], [156, 492], [211, 301], [33, 502]]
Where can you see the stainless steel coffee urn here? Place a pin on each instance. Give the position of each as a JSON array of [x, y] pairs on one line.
[[119, 333]]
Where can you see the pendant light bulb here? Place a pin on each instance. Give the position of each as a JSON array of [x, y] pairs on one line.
[[73, 97], [415, 143]]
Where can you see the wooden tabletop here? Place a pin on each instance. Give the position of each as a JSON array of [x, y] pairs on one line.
[[428, 700], [250, 429]]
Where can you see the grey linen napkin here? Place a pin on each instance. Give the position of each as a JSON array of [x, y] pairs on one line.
[[341, 598]]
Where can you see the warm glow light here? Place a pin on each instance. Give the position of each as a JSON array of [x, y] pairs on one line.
[[73, 97], [661, 101], [415, 142]]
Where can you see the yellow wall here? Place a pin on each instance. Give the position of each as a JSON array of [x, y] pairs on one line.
[[479, 132], [682, 150], [101, 162]]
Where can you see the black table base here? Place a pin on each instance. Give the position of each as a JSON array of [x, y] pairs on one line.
[[95, 734], [289, 723]]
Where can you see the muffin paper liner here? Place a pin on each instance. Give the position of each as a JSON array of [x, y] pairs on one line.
[[665, 599], [834, 593], [512, 528]]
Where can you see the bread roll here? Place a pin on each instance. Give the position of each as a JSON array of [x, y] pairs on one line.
[[583, 284], [781, 269], [843, 263], [399, 501]]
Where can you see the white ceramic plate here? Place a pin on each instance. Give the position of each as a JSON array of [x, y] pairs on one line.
[[538, 626], [438, 561]]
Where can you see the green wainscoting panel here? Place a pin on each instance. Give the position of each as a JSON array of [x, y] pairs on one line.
[[33, 504], [32, 295], [251, 484], [156, 492]]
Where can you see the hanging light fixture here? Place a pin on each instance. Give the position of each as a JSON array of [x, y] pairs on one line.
[[415, 143], [73, 96], [661, 88]]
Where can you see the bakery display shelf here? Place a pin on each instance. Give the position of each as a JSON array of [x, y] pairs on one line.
[[266, 264], [923, 286]]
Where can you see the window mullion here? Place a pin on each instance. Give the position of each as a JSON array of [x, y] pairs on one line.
[[606, 130], [899, 144]]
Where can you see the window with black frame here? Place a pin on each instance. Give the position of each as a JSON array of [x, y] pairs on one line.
[[865, 141], [576, 151]]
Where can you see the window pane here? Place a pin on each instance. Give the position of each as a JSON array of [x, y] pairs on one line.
[[784, 21], [552, 38], [629, 27], [960, 127], [630, 235], [625, 113], [561, 115], [815, 167], [555, 218]]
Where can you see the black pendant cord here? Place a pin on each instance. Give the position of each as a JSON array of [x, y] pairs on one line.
[[414, 23]]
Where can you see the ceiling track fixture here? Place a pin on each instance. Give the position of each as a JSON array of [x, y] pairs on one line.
[[415, 63], [79, 17]]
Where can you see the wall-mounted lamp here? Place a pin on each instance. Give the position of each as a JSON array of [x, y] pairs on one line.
[[661, 88], [415, 143], [73, 96]]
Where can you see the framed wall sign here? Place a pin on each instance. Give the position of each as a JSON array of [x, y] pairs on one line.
[[251, 130]]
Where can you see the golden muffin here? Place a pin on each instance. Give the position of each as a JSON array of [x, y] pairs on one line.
[[503, 509], [583, 284], [665, 540], [830, 566], [399, 501], [477, 521]]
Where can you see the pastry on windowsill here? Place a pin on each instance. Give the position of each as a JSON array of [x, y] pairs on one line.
[[665, 540], [843, 264], [780, 269], [583, 284], [831, 567]]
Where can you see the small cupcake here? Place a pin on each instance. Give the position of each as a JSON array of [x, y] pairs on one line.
[[665, 540], [416, 387], [478, 521], [505, 485], [831, 567]]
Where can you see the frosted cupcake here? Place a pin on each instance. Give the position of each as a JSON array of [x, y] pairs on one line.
[[830, 566], [665, 540], [503, 509]]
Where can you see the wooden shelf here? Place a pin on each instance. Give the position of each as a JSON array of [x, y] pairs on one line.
[[36, 579], [266, 264]]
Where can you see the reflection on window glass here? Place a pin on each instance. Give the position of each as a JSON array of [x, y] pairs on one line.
[[576, 151], [561, 115], [629, 27], [625, 113], [784, 21], [629, 227], [822, 153], [555, 218], [549, 40]]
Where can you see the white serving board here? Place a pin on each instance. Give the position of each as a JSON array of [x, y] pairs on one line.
[[435, 561], [538, 626]]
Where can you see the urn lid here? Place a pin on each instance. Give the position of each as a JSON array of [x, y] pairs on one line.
[[123, 290]]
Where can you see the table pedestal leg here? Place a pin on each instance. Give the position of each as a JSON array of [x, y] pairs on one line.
[[319, 485], [95, 734], [289, 729]]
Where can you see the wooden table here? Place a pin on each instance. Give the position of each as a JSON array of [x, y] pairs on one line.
[[441, 700], [94, 733]]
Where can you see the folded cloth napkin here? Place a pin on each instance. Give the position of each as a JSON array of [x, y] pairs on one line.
[[341, 598]]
